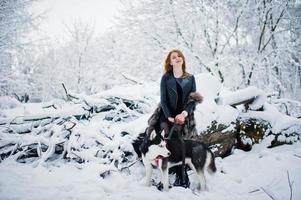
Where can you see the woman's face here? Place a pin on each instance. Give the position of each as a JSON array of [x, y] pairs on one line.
[[176, 59]]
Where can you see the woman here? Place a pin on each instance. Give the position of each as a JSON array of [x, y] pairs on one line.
[[175, 89]]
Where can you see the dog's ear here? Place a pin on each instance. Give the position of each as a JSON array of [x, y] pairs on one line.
[[152, 135], [163, 133]]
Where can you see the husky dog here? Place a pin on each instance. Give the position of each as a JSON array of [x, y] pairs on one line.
[[164, 154]]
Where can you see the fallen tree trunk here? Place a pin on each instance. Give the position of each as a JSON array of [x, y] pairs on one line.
[[251, 97], [222, 139]]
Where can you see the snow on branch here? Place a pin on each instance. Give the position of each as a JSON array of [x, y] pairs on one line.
[[252, 97], [73, 130], [133, 79]]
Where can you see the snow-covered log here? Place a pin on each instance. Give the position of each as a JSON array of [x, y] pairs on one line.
[[251, 97], [90, 128], [62, 132], [252, 127]]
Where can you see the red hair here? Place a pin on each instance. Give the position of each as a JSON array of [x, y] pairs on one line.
[[168, 67]]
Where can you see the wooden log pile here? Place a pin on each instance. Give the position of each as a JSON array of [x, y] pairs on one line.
[[72, 131], [78, 129]]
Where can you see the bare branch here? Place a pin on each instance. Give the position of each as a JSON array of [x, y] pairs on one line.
[[274, 27], [133, 79], [290, 183], [70, 128], [127, 167], [270, 195], [69, 96], [297, 155], [263, 30], [253, 191]]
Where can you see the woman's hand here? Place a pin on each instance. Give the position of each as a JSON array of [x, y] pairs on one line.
[[171, 119], [180, 119]]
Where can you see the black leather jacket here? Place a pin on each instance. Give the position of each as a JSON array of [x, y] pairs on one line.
[[169, 95]]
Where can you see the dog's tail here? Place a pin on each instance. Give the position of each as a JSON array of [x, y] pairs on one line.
[[211, 165]]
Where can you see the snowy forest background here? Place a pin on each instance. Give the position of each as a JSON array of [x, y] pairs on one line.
[[71, 106], [252, 42]]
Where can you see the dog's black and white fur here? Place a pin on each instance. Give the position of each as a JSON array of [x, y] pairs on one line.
[[156, 152]]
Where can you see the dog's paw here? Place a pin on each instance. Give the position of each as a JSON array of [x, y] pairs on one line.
[[160, 186]]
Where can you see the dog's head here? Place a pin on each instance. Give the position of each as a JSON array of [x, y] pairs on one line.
[[154, 146]]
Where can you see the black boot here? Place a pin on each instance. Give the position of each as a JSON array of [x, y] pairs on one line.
[[177, 181], [183, 182]]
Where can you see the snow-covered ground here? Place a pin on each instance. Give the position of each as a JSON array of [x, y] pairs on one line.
[[259, 174], [243, 175]]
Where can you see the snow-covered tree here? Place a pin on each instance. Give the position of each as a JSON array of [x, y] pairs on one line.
[[240, 42], [15, 23]]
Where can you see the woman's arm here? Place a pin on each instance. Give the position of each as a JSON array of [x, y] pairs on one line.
[[163, 97]]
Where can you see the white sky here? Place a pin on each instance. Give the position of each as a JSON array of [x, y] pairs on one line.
[[100, 12]]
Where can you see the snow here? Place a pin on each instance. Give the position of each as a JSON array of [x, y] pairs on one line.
[[208, 85], [132, 91], [98, 142], [239, 176], [278, 121], [7, 102], [245, 94]]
